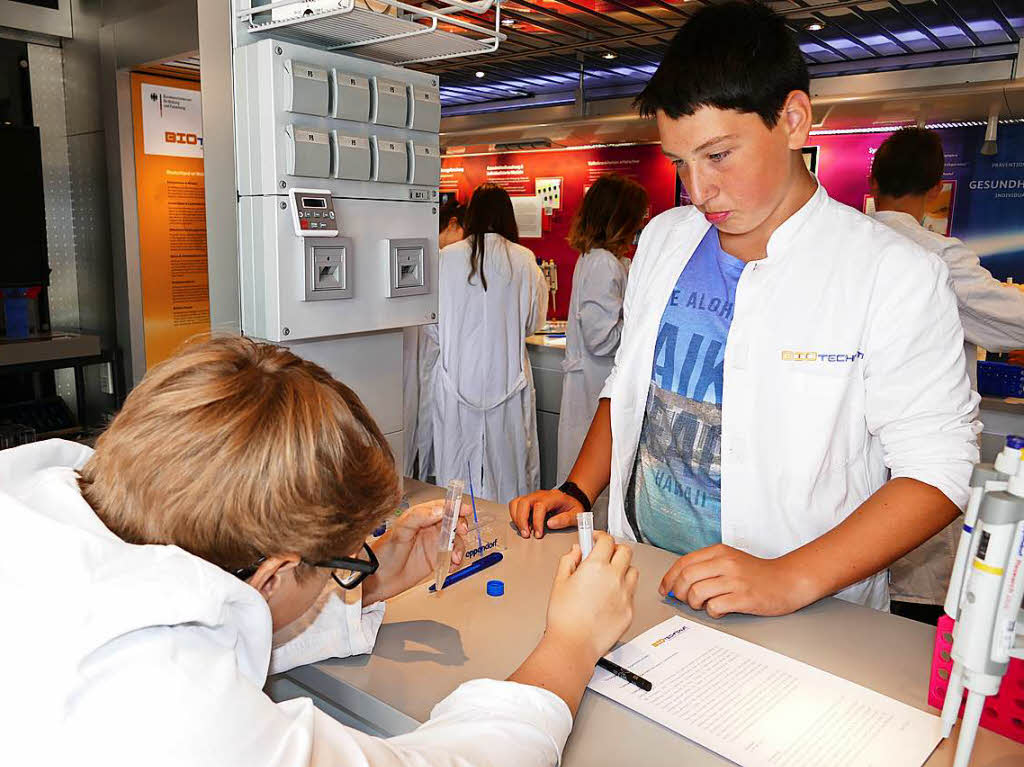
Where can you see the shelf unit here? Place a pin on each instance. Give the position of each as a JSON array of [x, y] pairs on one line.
[[412, 35]]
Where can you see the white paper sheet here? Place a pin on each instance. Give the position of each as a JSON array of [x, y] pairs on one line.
[[528, 216], [759, 708]]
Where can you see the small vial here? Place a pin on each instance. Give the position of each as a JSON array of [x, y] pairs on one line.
[[585, 528], [449, 524]]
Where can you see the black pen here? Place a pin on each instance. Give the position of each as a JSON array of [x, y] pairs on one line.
[[624, 673]]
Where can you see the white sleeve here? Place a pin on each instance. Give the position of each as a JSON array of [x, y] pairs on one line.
[[918, 399], [483, 723], [335, 626], [648, 240], [992, 313], [601, 306], [539, 306]]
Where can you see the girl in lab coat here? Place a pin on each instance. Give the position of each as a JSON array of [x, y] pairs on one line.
[[419, 360], [603, 229], [492, 295]]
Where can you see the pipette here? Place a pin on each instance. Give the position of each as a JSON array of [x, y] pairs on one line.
[[449, 524]]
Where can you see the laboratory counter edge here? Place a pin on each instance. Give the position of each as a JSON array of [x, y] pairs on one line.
[[431, 643]]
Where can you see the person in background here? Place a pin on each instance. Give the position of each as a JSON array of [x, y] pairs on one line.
[[491, 296], [420, 350], [451, 221], [906, 176], [234, 487], [602, 230], [789, 410]]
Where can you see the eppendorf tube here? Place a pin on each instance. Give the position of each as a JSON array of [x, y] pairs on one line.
[[449, 524]]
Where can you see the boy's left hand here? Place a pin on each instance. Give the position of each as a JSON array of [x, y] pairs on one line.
[[408, 550], [720, 580]]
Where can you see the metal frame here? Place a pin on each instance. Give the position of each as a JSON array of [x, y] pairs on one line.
[[544, 43], [31, 18], [369, 33]]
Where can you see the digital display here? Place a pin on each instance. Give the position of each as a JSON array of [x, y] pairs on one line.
[[314, 202]]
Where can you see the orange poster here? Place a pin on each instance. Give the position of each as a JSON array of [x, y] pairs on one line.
[[168, 130]]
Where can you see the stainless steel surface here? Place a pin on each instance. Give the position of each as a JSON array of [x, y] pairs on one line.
[[429, 644], [215, 52]]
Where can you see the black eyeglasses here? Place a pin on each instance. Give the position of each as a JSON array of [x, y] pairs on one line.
[[358, 569]]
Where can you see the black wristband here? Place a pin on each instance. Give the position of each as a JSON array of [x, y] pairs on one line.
[[572, 489]]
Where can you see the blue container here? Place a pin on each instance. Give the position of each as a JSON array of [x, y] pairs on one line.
[[16, 311], [999, 379]]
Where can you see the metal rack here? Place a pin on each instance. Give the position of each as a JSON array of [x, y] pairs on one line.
[[410, 36]]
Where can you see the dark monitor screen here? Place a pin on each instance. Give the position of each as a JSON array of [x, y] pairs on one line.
[[23, 260]]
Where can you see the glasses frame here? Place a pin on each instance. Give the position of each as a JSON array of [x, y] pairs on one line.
[[363, 568]]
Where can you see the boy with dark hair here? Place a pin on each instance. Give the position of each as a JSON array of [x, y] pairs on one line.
[[906, 179], [781, 356]]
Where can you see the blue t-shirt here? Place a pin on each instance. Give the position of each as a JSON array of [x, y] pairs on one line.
[[674, 499]]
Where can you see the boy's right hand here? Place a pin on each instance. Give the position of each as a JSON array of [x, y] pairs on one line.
[[529, 512], [591, 603]]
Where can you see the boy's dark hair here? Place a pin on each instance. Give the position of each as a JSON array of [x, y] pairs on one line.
[[738, 55], [910, 161]]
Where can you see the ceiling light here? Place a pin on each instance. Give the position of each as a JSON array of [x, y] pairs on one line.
[[814, 26], [507, 22], [609, 55], [481, 74]]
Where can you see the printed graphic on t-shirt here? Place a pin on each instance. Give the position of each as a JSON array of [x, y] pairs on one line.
[[675, 495]]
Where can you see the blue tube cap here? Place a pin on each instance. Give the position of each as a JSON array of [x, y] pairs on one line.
[[495, 588], [1013, 441]]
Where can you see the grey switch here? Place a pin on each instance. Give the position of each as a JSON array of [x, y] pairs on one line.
[[426, 109], [307, 89], [390, 103], [352, 154], [328, 270], [309, 152], [351, 97]]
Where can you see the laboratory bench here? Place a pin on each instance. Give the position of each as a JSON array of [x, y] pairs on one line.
[[430, 643]]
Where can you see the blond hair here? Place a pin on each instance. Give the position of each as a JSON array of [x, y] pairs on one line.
[[234, 450]]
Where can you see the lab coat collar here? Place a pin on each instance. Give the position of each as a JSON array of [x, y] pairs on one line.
[[895, 217], [789, 231]]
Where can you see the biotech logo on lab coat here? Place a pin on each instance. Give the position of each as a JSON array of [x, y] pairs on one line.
[[792, 356]]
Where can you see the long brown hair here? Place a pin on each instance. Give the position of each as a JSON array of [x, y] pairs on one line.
[[612, 212], [490, 211]]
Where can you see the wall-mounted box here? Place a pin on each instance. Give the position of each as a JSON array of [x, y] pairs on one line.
[[426, 164], [352, 157]]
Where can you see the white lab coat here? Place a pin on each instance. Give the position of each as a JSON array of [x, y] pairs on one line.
[[993, 318], [120, 655], [591, 339], [844, 361], [420, 350], [485, 414]]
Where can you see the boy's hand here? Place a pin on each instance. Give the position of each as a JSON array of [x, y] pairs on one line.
[[722, 580], [530, 512], [408, 550]]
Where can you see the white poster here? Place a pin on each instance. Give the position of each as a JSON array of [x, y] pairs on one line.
[[528, 216], [172, 121]]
